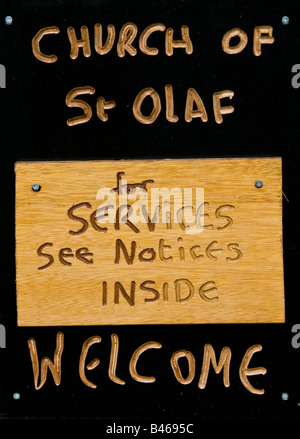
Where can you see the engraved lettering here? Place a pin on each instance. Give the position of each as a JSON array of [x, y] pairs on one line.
[[210, 251], [193, 254], [150, 251], [65, 253], [165, 291], [84, 255], [206, 215], [208, 287], [128, 258], [162, 247], [104, 293], [178, 287], [218, 214], [93, 218], [234, 247], [181, 250], [119, 288], [125, 219], [50, 257], [150, 222], [144, 287], [77, 218]]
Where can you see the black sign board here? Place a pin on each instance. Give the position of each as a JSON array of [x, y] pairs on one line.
[[39, 71]]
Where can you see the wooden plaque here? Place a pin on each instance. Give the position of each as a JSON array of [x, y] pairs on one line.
[[77, 268]]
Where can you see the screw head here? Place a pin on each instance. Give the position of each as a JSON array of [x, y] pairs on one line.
[[8, 20], [16, 396], [285, 396], [285, 20], [259, 184], [36, 187]]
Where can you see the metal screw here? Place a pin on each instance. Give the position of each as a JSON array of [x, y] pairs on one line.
[[259, 184], [285, 396], [16, 396], [285, 20], [36, 187], [8, 20]]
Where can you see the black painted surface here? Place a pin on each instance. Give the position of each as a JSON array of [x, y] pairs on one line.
[[265, 123]]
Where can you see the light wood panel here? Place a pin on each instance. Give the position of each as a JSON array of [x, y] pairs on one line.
[[230, 272]]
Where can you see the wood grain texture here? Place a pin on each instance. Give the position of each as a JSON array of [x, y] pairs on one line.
[[238, 255]]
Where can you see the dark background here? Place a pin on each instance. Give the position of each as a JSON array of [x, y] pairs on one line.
[[265, 123]]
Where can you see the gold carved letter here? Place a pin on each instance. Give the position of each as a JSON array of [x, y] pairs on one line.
[[138, 103], [76, 44], [114, 359], [258, 39], [210, 356], [236, 32], [192, 98], [71, 102], [145, 35], [134, 359], [185, 43], [244, 371], [218, 110], [55, 367], [103, 105], [36, 44], [85, 348], [176, 369], [101, 48], [126, 37], [170, 116]]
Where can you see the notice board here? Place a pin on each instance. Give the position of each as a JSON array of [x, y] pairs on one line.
[[149, 202]]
